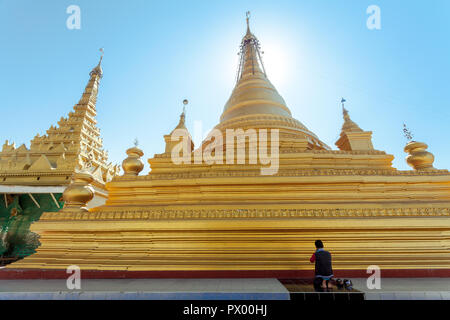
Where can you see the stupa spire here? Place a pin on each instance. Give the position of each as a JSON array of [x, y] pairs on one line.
[[253, 93], [89, 97], [352, 137], [255, 102], [72, 145], [98, 69], [349, 125], [248, 22], [182, 123], [77, 136], [250, 62], [180, 128]]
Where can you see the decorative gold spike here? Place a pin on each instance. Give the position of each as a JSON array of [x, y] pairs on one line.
[[185, 103], [247, 14], [349, 125], [407, 133]]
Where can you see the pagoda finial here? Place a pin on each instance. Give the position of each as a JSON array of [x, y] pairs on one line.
[[98, 69], [344, 111], [101, 56], [181, 123], [352, 137], [250, 54], [407, 133], [349, 125], [247, 14], [185, 103]]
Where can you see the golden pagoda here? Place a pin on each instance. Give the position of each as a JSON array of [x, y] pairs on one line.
[[74, 144], [33, 180], [226, 215]]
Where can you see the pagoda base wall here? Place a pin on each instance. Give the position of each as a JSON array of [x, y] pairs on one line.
[[242, 245]]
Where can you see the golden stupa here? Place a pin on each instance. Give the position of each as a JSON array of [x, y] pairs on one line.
[[228, 216]]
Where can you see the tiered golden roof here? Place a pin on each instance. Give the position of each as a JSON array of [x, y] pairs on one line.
[[74, 144], [200, 216]]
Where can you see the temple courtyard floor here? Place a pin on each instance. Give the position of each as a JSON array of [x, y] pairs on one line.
[[219, 289]]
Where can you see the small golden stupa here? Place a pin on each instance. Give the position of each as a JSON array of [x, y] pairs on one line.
[[226, 216]]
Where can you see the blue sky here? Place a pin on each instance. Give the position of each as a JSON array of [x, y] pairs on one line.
[[159, 52]]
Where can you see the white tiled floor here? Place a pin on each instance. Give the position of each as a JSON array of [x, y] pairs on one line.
[[227, 289], [407, 289], [391, 289]]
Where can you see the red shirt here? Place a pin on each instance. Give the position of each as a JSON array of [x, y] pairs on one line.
[[313, 258]]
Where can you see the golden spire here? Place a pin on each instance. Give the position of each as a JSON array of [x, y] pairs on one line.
[[77, 139], [349, 125], [98, 69], [181, 127], [250, 53], [90, 93], [185, 103], [352, 137], [254, 102], [248, 23], [253, 94], [181, 124]]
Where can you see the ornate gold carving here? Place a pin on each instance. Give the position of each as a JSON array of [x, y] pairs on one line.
[[284, 173], [163, 214]]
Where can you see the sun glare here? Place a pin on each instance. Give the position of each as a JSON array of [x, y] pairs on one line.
[[275, 59]]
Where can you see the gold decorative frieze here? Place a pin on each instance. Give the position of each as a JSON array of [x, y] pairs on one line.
[[283, 173], [157, 214]]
